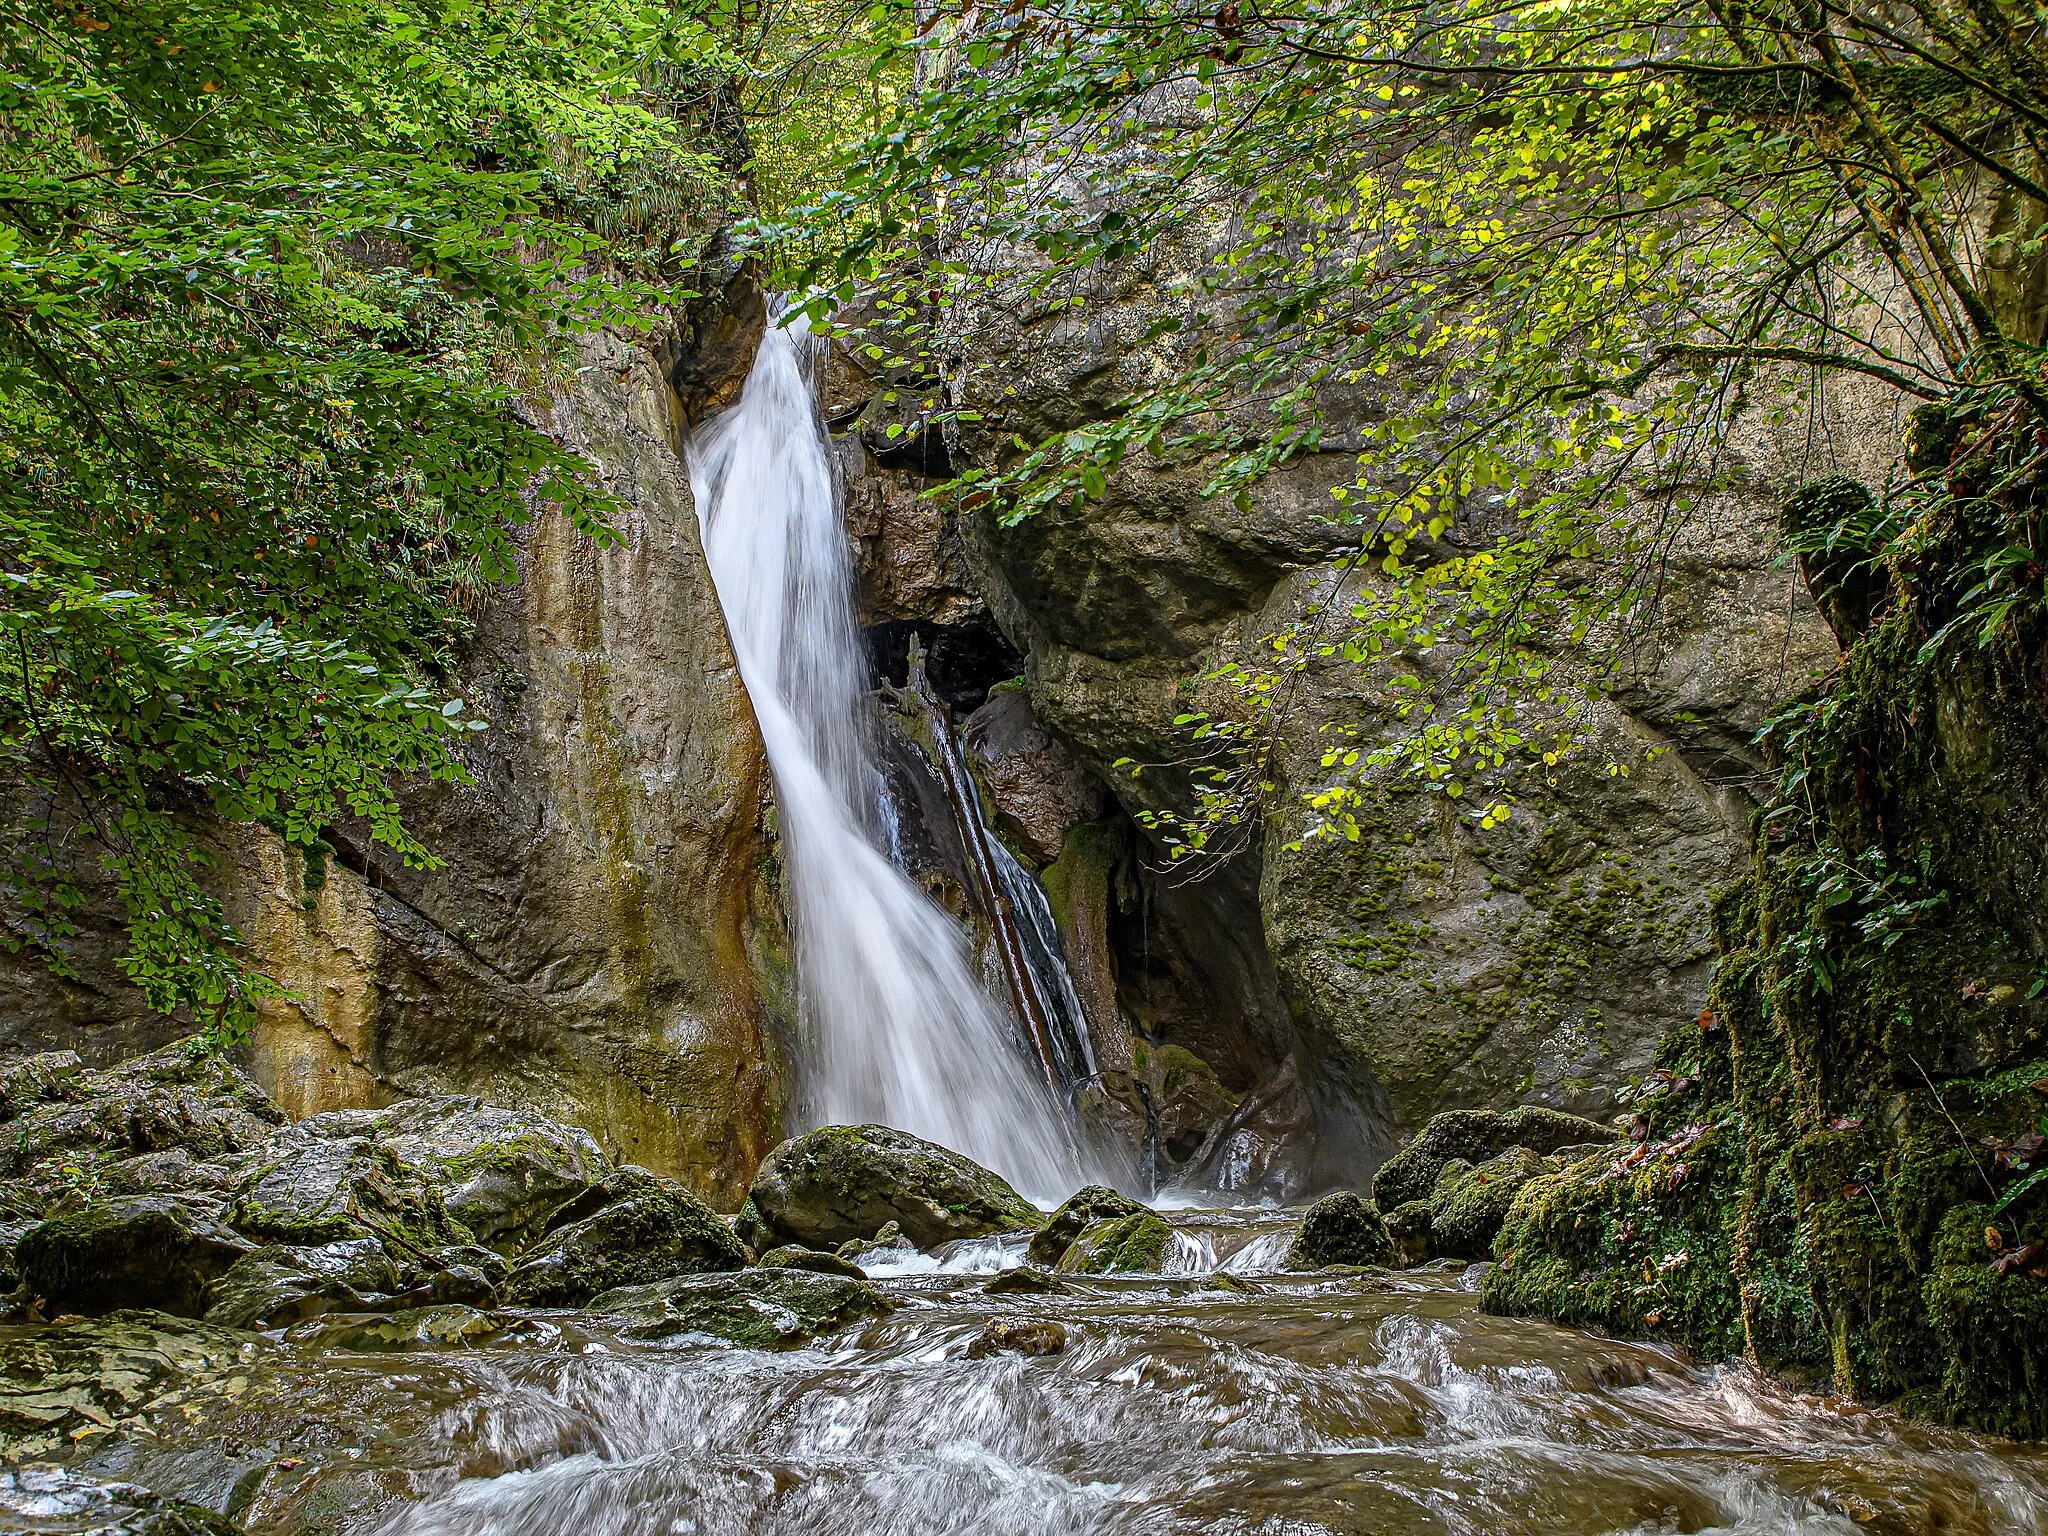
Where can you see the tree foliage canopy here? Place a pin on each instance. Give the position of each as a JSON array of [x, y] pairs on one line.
[[268, 273], [1555, 249]]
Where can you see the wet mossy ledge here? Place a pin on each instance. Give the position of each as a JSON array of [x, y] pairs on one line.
[[1840, 1169]]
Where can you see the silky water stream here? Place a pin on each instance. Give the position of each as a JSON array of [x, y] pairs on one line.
[[1266, 1402], [1295, 1406]]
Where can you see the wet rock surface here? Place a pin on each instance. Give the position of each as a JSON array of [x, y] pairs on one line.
[[1474, 1135], [762, 1308], [647, 1229], [844, 1183], [277, 1286], [54, 1500], [1130, 1244], [1344, 1228], [1018, 1336], [137, 1250]]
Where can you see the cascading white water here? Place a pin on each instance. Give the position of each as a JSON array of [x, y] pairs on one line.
[[897, 1030]]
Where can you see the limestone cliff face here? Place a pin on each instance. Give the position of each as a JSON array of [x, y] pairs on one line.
[[1429, 965], [600, 939]]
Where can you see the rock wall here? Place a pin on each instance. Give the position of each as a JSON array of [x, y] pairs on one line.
[[1428, 965], [602, 943]]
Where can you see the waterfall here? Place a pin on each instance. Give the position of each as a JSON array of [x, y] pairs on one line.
[[896, 1029]]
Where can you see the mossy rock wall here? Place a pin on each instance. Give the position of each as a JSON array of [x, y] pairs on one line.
[[1832, 1173]]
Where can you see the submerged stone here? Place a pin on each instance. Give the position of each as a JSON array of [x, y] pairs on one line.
[[1133, 1244], [1476, 1135], [1098, 1202], [451, 1326], [139, 1251], [1018, 1336], [1026, 1280], [652, 1230], [846, 1182], [1344, 1228], [760, 1308]]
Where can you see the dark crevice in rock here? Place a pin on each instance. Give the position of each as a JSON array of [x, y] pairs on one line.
[[963, 661]]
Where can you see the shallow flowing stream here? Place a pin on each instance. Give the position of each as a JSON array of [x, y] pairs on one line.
[[1355, 1403]]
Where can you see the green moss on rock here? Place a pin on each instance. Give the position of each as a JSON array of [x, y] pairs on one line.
[[1132, 1244], [1096, 1202], [1466, 1210], [1344, 1228], [143, 1251], [650, 1229], [1476, 1135]]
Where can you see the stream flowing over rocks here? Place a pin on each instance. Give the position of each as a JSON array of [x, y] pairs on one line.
[[365, 1324]]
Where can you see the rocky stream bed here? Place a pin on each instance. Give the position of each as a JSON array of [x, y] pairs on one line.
[[444, 1317]]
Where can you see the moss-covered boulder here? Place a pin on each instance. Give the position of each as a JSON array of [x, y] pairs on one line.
[[1409, 1226], [760, 1308], [278, 1286], [1467, 1207], [648, 1229], [142, 1251], [849, 1181], [1097, 1202], [1344, 1228], [789, 1256], [502, 1173], [1133, 1244], [1476, 1135], [309, 1190]]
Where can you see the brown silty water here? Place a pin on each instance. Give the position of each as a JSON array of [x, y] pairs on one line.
[[1363, 1402]]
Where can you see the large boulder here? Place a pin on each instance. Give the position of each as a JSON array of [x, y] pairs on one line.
[[1476, 1135], [1344, 1228], [645, 1229], [1133, 1244], [311, 1189], [1097, 1202], [761, 1308], [140, 1251], [1469, 1204], [849, 1181], [500, 1172], [276, 1287]]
